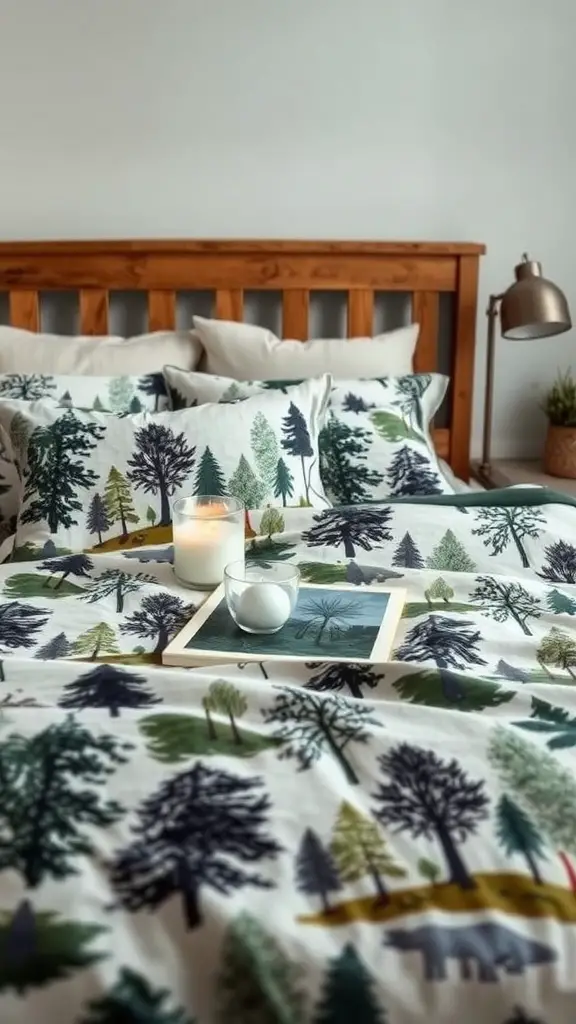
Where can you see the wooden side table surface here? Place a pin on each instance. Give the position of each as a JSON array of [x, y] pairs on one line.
[[506, 472]]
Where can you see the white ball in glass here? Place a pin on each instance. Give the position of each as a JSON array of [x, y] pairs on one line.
[[263, 606]]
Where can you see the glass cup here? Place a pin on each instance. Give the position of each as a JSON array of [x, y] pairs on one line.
[[261, 600], [208, 532]]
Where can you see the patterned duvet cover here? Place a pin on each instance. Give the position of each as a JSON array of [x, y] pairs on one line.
[[280, 844]]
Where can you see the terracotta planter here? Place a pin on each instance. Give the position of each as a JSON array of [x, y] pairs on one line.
[[560, 452]]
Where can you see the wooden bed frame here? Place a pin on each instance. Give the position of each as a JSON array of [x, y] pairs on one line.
[[162, 268]]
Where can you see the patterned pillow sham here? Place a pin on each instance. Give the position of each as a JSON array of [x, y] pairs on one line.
[[95, 481], [103, 394], [376, 440]]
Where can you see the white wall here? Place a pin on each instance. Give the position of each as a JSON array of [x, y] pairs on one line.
[[409, 119]]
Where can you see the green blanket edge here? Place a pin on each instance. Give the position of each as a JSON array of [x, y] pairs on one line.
[[504, 497]]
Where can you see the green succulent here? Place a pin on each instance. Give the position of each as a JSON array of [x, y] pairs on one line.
[[560, 402]]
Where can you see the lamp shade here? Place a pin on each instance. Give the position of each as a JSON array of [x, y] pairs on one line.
[[533, 307]]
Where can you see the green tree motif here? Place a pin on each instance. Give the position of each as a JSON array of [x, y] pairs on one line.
[[500, 526], [20, 430], [516, 833], [502, 601], [439, 590], [100, 638], [115, 582], [208, 708], [272, 521], [97, 405], [348, 993], [343, 453], [557, 648], [135, 405], [560, 603], [284, 482], [450, 555], [120, 394], [296, 441], [549, 719], [227, 699], [543, 788], [57, 469], [312, 724], [407, 555], [50, 789], [233, 393], [209, 476], [429, 870], [265, 449], [118, 500], [65, 400], [245, 486], [151, 515], [360, 851], [446, 689], [257, 982], [133, 1000]]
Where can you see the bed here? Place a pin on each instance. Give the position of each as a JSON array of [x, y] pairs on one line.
[[271, 842]]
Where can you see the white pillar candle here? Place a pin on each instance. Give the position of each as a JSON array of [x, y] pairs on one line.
[[203, 547]]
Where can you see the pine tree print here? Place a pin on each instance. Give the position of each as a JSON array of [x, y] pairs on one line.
[[20, 430], [450, 556], [199, 828], [58, 647], [407, 555], [316, 873], [98, 521], [135, 405], [409, 393], [159, 618], [284, 482], [360, 851], [115, 583], [557, 648], [57, 470], [549, 719], [560, 564], [348, 993], [153, 384], [343, 676], [516, 833], [133, 1000], [500, 527], [503, 601], [97, 405], [257, 981], [209, 477], [427, 796], [343, 454], [19, 624], [449, 643], [108, 687], [151, 516], [245, 485], [118, 501], [100, 639], [542, 787], [410, 472], [312, 725], [355, 403], [28, 387], [60, 786], [68, 565], [560, 603], [66, 400], [234, 393], [162, 461], [120, 394], [366, 528], [265, 451], [297, 443]]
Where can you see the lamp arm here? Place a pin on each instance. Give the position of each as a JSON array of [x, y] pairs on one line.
[[491, 313]]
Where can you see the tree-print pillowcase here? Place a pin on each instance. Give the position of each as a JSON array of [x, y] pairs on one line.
[[103, 394], [376, 440], [95, 481]]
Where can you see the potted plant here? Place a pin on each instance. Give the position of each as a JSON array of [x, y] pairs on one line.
[[560, 408]]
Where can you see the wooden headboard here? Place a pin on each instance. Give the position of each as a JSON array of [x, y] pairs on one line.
[[229, 268]]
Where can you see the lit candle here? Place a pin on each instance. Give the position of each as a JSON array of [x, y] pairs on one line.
[[204, 543]]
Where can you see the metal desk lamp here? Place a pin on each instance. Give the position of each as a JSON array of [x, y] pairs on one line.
[[532, 307]]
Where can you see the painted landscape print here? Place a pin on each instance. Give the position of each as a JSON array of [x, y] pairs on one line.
[[326, 622]]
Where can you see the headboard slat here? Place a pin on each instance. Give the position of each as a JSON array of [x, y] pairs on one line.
[[463, 365], [230, 304], [360, 313], [295, 313], [425, 312], [93, 311], [161, 310], [25, 310]]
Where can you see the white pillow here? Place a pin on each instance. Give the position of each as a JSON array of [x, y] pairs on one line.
[[246, 352], [28, 352]]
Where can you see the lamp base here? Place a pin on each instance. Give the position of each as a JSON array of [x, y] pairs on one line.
[[483, 473]]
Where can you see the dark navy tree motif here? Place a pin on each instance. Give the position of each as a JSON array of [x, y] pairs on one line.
[[355, 403], [365, 528], [502, 601], [55, 791], [98, 520], [58, 647], [501, 526], [312, 725], [449, 643], [519, 1016], [159, 617], [28, 387], [284, 483], [407, 554], [410, 472], [114, 582], [153, 384], [316, 873], [410, 390], [348, 992], [161, 462], [133, 1000], [517, 833], [560, 564], [342, 676], [426, 796], [343, 454], [108, 687], [296, 441], [19, 624], [57, 469], [67, 565], [195, 830]]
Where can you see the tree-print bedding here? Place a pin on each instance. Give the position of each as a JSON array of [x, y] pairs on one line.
[[270, 844]]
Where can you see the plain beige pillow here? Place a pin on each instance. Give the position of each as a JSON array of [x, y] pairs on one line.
[[246, 352], [28, 352]]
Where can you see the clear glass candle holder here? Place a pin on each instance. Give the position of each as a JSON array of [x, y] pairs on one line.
[[261, 599], [208, 534]]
